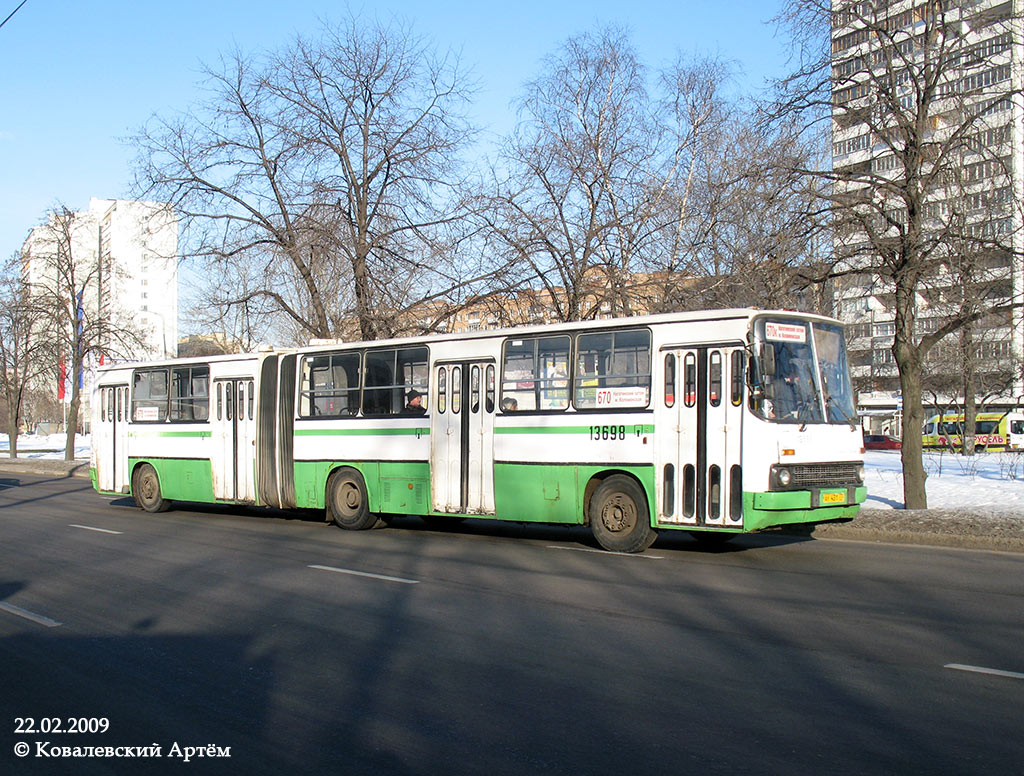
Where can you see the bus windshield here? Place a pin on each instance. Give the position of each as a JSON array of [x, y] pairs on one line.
[[800, 373]]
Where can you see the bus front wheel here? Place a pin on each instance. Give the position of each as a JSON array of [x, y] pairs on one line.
[[146, 489], [618, 516], [347, 505]]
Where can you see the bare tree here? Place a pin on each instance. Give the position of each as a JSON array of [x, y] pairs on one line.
[[26, 356], [744, 238], [331, 170], [917, 95], [589, 171], [616, 199], [62, 278]]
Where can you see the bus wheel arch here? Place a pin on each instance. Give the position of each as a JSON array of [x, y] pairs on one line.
[[346, 500], [618, 513], [146, 489]]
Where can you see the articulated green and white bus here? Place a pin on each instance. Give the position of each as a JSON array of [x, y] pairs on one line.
[[713, 422]]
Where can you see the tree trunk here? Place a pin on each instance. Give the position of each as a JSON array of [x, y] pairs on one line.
[[72, 426], [970, 405], [12, 435], [908, 360], [364, 308], [914, 494]]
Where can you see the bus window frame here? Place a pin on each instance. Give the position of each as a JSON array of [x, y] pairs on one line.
[[310, 394], [191, 398], [537, 389], [136, 373], [398, 370], [613, 332]]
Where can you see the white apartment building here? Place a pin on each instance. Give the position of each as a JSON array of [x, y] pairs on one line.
[[883, 44], [126, 267]]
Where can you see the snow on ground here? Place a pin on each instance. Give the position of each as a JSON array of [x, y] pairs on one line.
[[993, 480], [47, 446]]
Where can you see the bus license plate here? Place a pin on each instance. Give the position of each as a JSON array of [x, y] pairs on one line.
[[833, 498]]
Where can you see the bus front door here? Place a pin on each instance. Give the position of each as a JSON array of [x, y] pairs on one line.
[[462, 438], [700, 408], [111, 440], [234, 443]]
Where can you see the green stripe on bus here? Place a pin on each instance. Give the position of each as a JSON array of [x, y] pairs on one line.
[[362, 432], [632, 429]]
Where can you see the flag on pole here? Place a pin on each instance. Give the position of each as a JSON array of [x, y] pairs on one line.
[[80, 318]]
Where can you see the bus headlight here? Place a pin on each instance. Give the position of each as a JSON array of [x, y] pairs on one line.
[[860, 474], [783, 477]]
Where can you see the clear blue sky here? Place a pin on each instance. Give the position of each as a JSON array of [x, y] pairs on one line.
[[78, 77]]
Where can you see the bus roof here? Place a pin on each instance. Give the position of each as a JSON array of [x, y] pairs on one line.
[[730, 314], [194, 360]]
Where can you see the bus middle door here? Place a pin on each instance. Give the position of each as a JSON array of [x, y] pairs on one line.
[[462, 438], [234, 432]]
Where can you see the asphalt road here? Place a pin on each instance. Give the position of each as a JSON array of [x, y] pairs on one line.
[[492, 648]]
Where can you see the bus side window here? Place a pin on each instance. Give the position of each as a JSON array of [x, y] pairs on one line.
[[329, 385], [474, 389], [535, 374], [388, 376], [149, 397], [613, 369], [442, 389], [190, 399]]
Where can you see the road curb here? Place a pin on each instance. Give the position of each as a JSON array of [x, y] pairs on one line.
[[45, 467], [970, 529]]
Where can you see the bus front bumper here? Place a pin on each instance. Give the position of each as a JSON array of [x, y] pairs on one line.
[[815, 505]]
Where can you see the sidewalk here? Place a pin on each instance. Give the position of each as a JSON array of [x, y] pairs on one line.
[[47, 467], [980, 530]]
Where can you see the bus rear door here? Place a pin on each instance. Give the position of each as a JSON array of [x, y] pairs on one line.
[[111, 439]]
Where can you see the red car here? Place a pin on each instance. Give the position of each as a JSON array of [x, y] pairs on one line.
[[881, 442]]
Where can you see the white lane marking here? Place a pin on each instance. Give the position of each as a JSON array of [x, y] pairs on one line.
[[90, 528], [607, 552], [983, 670], [366, 574], [17, 611]]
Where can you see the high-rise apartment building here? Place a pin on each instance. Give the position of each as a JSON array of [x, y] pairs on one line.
[[923, 99], [123, 257]]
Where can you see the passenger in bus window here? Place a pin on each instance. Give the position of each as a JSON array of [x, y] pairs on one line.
[[508, 404], [414, 403]]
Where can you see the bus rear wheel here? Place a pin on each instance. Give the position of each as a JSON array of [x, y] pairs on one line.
[[618, 516], [146, 489], [347, 505]]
